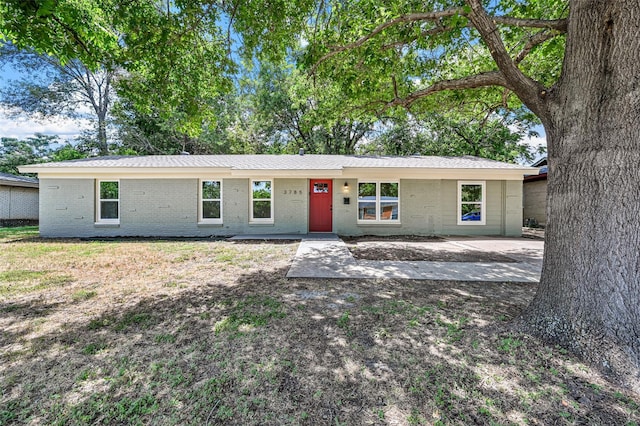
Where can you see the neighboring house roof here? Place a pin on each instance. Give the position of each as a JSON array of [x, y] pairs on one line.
[[533, 178], [7, 179], [541, 162], [542, 171], [280, 165]]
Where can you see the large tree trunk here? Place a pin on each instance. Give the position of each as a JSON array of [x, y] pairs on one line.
[[589, 294], [103, 146]]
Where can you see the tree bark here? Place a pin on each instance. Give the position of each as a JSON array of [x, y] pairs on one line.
[[589, 294]]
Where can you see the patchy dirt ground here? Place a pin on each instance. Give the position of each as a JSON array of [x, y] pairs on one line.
[[431, 249], [197, 332]]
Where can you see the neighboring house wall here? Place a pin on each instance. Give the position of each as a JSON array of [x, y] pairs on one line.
[[535, 200], [18, 203], [169, 207]]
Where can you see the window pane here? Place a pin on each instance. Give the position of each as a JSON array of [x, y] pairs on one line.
[[211, 190], [108, 190], [471, 212], [108, 209], [211, 209], [262, 209], [262, 189], [321, 188], [471, 192], [367, 211], [367, 191], [389, 191], [389, 211]]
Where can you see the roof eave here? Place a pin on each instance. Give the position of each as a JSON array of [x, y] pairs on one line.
[[21, 184]]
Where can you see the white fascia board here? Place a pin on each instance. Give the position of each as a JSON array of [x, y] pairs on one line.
[[438, 174], [279, 173], [129, 172], [226, 172]]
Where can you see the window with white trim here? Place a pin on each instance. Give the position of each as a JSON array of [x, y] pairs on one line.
[[378, 201], [210, 201], [108, 205], [471, 203], [262, 201]]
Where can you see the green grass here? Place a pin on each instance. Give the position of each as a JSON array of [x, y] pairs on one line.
[[343, 320], [250, 312], [94, 348], [211, 332], [81, 295], [106, 409], [20, 281], [17, 276], [509, 345], [18, 232]]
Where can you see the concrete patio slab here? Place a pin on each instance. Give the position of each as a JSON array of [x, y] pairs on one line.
[[267, 237], [331, 258]]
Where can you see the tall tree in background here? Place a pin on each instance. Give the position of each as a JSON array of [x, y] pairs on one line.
[[297, 112], [172, 58], [235, 130], [177, 61], [573, 63], [48, 88]]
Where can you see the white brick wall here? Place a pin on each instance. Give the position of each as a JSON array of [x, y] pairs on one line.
[[18, 203]]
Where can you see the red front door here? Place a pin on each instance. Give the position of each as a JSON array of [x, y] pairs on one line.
[[320, 205]]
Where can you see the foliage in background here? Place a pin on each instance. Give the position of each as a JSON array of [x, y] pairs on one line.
[[36, 149], [451, 135], [296, 112], [47, 88]]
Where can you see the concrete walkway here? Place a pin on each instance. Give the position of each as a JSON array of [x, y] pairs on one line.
[[327, 256]]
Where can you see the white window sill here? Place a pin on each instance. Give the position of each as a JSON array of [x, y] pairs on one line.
[[210, 224], [270, 223], [379, 223], [107, 224]]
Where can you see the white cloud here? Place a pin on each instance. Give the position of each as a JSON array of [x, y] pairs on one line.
[[536, 141], [21, 128]]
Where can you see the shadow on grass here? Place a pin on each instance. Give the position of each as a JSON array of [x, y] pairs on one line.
[[268, 350]]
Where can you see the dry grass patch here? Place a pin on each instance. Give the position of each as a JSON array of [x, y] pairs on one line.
[[204, 332]]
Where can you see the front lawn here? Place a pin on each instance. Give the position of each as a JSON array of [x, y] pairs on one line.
[[211, 332]]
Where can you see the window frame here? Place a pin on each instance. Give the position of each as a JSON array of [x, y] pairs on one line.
[[378, 201], [482, 203], [99, 201], [261, 220], [201, 200]]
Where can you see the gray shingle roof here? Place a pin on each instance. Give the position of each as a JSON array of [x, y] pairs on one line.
[[13, 180], [281, 162]]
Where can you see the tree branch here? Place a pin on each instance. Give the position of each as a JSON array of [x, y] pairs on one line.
[[411, 17], [552, 24], [487, 79], [559, 25], [427, 33], [536, 39], [74, 34], [530, 92]]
